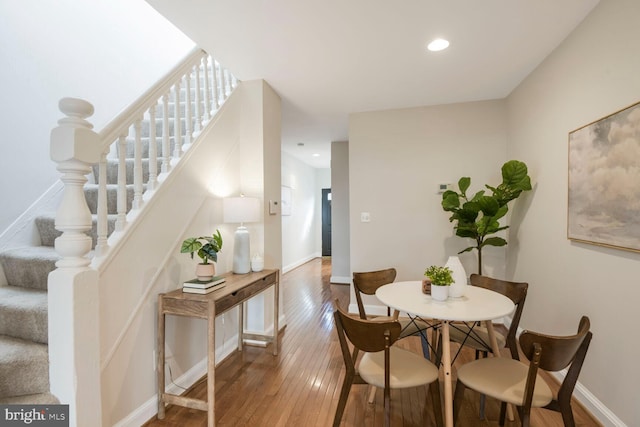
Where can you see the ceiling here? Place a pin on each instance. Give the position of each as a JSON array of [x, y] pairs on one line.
[[327, 59]]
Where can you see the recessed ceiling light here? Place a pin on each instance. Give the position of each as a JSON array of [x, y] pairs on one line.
[[437, 45], [316, 155]]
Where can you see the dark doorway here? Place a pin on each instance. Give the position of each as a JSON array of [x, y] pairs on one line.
[[326, 222]]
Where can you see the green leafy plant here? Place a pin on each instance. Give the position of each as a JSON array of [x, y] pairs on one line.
[[206, 247], [439, 276], [479, 216]]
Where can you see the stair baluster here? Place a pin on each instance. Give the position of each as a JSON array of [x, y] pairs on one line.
[[224, 84], [137, 165], [177, 127], [153, 150], [198, 101], [214, 85], [166, 165], [207, 99], [189, 128], [121, 201], [102, 230]]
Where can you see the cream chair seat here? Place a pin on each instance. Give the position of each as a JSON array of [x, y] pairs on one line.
[[512, 381], [407, 369]]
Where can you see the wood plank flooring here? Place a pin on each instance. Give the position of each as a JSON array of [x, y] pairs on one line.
[[300, 386]]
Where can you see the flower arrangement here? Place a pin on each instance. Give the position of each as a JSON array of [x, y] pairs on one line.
[[439, 276]]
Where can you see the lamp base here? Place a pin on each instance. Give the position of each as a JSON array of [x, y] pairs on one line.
[[241, 251]]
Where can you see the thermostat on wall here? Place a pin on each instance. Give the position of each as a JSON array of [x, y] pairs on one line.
[[443, 187]]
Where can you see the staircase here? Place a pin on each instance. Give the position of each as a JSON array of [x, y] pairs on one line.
[[24, 363]]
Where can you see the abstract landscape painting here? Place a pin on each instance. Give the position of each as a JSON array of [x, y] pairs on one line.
[[604, 181]]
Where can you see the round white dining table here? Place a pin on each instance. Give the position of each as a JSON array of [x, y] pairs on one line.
[[477, 304]]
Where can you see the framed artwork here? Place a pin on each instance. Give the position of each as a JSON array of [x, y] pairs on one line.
[[604, 181], [286, 200]]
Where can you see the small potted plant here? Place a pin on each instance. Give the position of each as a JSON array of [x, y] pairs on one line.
[[440, 279], [207, 248]]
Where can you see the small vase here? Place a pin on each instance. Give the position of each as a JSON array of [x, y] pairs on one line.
[[205, 272], [439, 293], [459, 285]]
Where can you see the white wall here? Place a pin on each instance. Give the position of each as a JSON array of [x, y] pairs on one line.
[[397, 158], [108, 53], [301, 240], [592, 74]]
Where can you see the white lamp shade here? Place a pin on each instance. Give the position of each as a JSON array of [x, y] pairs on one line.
[[241, 209]]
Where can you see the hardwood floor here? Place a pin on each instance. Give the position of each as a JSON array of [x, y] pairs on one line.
[[300, 387]]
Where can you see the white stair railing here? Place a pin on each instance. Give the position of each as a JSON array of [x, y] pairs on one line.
[[199, 71]]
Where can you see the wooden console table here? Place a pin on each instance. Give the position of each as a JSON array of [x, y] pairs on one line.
[[238, 289]]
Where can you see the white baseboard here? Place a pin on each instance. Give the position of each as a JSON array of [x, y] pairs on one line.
[[298, 263], [341, 280], [592, 404]]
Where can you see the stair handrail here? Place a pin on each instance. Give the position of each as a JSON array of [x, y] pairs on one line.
[[123, 120], [213, 85]]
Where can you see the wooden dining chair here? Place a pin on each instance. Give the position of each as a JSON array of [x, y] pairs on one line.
[[367, 283], [477, 337], [512, 381], [382, 364]]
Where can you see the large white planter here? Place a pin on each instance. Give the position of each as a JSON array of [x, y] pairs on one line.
[[439, 293], [459, 285]]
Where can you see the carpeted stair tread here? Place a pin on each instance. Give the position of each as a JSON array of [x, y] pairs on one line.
[[24, 367], [48, 233], [23, 313], [29, 266], [30, 399]]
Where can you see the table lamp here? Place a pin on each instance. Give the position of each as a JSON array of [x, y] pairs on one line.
[[240, 210]]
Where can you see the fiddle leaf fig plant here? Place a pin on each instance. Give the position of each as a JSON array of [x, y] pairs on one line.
[[206, 247], [478, 216]]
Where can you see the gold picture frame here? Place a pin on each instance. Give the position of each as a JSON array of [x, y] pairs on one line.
[[604, 181]]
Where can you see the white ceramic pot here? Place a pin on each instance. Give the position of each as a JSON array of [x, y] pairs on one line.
[[257, 264], [205, 272], [459, 285], [439, 293]]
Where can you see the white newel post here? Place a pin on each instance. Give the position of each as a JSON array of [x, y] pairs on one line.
[[74, 340]]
